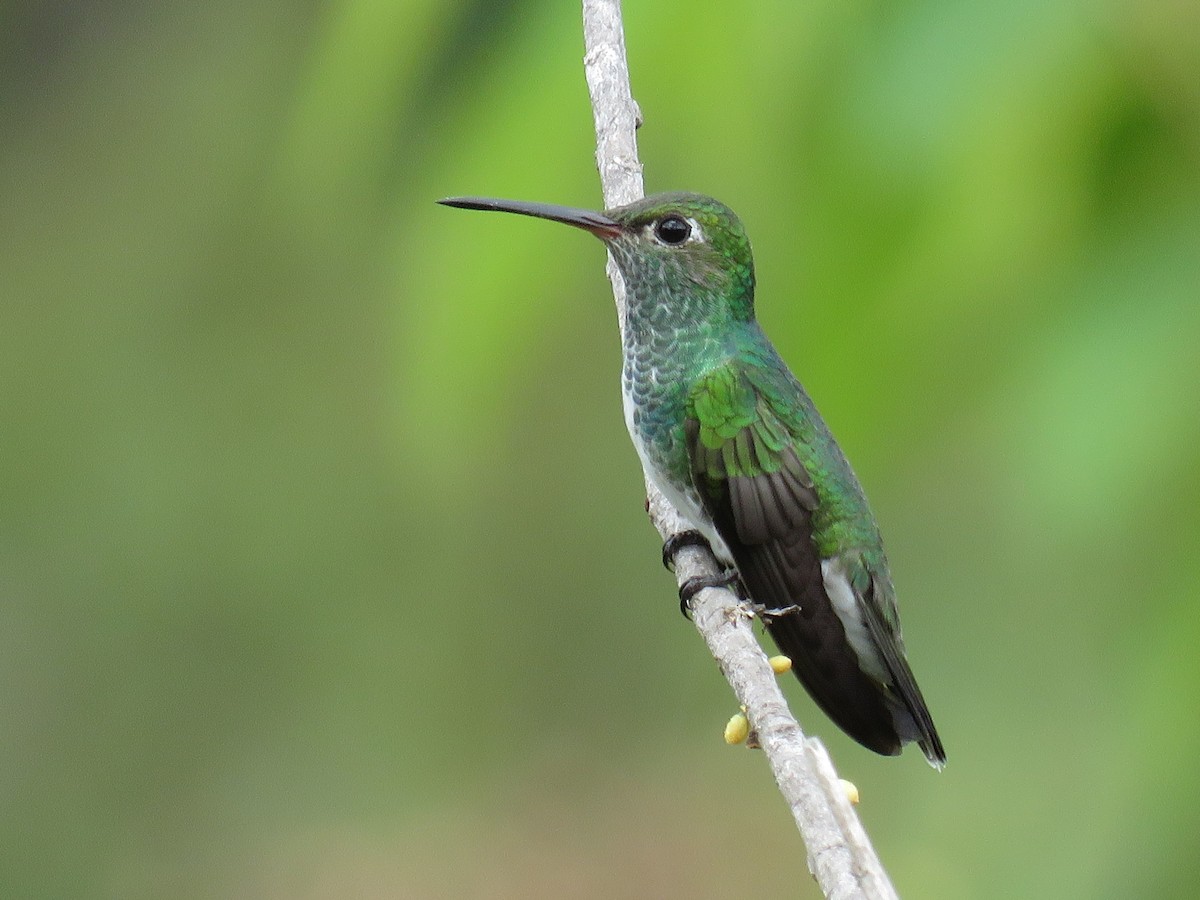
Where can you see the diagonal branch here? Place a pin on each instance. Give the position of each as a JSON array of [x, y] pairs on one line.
[[840, 855]]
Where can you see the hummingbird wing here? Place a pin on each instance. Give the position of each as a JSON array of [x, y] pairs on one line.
[[747, 457]]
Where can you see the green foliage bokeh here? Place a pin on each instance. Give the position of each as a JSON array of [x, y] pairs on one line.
[[323, 567]]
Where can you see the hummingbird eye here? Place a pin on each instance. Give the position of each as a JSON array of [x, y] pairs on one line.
[[672, 230]]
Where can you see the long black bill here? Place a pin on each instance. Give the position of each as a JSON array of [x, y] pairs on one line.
[[597, 223]]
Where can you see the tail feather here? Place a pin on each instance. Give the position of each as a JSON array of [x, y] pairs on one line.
[[779, 575], [906, 694]]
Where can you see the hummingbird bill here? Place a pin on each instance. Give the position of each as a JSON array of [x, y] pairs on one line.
[[728, 434]]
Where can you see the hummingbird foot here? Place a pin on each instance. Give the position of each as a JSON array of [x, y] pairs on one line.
[[767, 614], [690, 588], [676, 542]]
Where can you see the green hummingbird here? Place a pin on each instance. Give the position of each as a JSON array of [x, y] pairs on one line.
[[729, 435]]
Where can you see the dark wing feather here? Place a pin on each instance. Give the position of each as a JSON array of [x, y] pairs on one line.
[[761, 499]]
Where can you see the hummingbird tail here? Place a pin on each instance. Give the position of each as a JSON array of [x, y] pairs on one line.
[[815, 643], [874, 700], [914, 722]]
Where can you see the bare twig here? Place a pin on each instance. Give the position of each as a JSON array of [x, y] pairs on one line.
[[840, 855]]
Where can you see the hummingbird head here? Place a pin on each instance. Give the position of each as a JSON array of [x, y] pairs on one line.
[[685, 250]]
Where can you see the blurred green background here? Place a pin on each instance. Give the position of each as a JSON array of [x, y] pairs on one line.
[[323, 565]]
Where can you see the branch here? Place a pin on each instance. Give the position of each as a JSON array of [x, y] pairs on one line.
[[840, 855]]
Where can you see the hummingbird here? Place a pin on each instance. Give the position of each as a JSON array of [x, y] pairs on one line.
[[728, 434]]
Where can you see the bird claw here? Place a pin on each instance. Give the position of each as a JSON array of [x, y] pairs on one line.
[[690, 588], [766, 613], [679, 540]]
